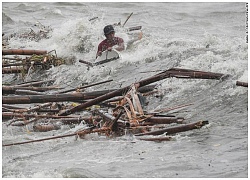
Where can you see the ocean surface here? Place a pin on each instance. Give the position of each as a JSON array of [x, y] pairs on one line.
[[199, 36]]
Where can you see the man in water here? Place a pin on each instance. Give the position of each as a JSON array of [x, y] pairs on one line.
[[110, 41]]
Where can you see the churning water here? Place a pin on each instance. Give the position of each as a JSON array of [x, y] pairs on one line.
[[174, 35]]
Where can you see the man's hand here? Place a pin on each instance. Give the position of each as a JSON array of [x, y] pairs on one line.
[[109, 49], [99, 53]]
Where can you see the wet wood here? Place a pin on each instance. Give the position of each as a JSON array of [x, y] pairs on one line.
[[23, 52], [7, 115], [34, 83], [173, 130], [12, 89], [165, 120], [239, 83], [27, 92], [13, 70], [157, 77], [156, 139], [53, 97]]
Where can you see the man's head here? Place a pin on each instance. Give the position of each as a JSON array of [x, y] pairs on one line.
[[108, 30]]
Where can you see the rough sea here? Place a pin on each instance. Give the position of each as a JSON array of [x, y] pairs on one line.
[[204, 36]]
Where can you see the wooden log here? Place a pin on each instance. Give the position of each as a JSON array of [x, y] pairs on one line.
[[239, 83], [12, 89], [22, 52], [157, 139], [157, 77], [134, 28], [13, 64], [54, 97], [164, 120], [27, 92], [173, 130], [13, 70], [188, 73], [7, 115], [34, 83]]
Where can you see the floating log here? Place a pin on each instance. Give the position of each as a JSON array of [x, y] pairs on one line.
[[34, 83], [157, 139], [13, 64], [54, 97], [134, 28], [157, 77], [173, 130], [27, 92], [164, 120], [12, 89], [239, 83], [22, 52], [45, 127], [188, 73], [13, 70], [7, 115]]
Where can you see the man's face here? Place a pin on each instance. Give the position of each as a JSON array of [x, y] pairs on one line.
[[110, 35]]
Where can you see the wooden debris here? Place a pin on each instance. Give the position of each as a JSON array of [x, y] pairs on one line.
[[239, 83], [23, 52], [125, 113]]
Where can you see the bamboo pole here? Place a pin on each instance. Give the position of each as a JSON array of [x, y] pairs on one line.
[[12, 89], [34, 83], [173, 130], [13, 70], [79, 133], [55, 97], [22, 52], [6, 115], [157, 139]]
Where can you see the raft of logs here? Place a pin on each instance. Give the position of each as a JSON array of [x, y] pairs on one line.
[[111, 113]]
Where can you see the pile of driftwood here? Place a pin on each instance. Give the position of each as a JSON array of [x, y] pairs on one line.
[[111, 113], [34, 59]]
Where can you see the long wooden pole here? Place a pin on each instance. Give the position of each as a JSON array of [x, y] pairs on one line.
[[173, 130], [23, 52]]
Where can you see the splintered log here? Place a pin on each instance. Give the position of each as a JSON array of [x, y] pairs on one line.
[[12, 89], [173, 130], [157, 77], [22, 52], [239, 83]]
